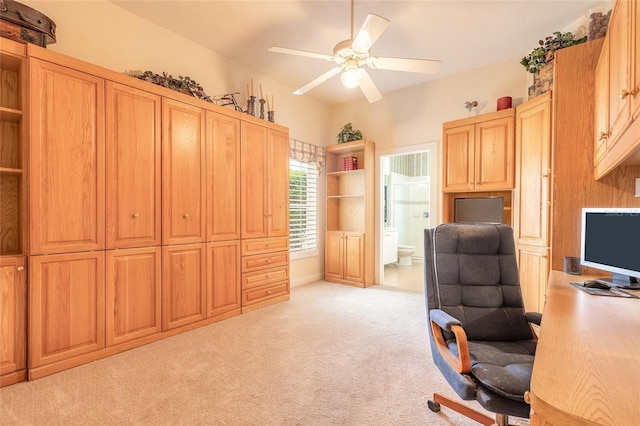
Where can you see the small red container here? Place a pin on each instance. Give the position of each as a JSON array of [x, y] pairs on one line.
[[504, 102]]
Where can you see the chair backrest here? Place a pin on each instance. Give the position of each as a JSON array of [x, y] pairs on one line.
[[471, 273]]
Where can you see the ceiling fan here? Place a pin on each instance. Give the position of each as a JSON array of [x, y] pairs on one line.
[[350, 55]]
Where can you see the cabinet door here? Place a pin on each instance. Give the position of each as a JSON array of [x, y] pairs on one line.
[[133, 166], [13, 311], [133, 294], [183, 184], [458, 155], [494, 154], [533, 172], [223, 277], [278, 183], [183, 285], [635, 79], [533, 268], [254, 169], [619, 69], [223, 177], [66, 306], [334, 256], [354, 257], [66, 112], [601, 99]]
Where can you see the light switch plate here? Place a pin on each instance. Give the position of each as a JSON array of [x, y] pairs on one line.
[[637, 187]]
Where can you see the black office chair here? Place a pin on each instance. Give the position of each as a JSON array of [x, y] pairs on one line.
[[481, 338]]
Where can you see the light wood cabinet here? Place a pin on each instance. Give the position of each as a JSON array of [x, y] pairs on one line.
[[66, 306], [183, 173], [13, 154], [13, 312], [478, 153], [350, 212], [344, 257], [133, 145], [133, 294], [223, 177], [533, 197], [184, 285], [67, 167], [265, 182], [223, 278], [617, 127]]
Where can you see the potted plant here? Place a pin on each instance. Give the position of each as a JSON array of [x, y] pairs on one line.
[[347, 134], [545, 52]]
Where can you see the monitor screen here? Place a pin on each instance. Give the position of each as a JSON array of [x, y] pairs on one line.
[[610, 241], [479, 210]]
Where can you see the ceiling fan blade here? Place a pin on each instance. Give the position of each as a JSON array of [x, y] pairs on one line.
[[301, 53], [425, 66], [372, 28], [313, 83], [368, 87]]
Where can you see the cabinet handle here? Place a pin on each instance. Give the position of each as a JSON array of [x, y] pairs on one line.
[[20, 268], [602, 136], [135, 215], [186, 215], [624, 93]]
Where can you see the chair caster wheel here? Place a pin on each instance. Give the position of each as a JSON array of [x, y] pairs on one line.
[[433, 406]]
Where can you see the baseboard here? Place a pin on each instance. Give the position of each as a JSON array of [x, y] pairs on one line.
[[307, 279]]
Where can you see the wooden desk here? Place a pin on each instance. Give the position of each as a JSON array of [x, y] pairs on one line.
[[587, 365]]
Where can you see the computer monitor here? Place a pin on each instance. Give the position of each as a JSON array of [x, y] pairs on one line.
[[481, 210], [610, 241]]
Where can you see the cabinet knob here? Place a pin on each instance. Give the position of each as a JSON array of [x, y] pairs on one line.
[[624, 93], [268, 291], [186, 215], [20, 268], [602, 136], [268, 260], [135, 215]]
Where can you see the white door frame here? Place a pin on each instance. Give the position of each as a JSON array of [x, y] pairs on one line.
[[434, 200]]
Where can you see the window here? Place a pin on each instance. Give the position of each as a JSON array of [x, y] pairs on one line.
[[303, 205]]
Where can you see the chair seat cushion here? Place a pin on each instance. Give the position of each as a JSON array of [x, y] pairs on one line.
[[503, 367]]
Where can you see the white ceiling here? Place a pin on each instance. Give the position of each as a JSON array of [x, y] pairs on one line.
[[463, 34]]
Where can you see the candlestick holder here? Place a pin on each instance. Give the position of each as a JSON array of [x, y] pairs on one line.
[[270, 116], [251, 105], [262, 101]]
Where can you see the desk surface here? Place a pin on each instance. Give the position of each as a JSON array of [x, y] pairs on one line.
[[587, 364]]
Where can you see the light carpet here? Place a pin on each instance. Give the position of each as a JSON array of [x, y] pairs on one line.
[[332, 355]]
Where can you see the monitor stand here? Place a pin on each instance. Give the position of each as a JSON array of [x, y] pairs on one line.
[[622, 281]]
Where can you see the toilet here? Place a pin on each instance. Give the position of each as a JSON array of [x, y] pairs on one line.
[[404, 254]]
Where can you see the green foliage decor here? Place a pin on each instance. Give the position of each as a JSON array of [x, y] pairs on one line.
[[181, 84], [544, 53], [347, 134]]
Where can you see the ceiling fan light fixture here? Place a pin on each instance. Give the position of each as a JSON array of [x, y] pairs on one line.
[[351, 77]]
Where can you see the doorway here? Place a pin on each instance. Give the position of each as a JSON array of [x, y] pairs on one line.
[[408, 205]]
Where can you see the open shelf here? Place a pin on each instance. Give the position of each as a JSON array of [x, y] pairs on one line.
[[10, 170], [10, 115]]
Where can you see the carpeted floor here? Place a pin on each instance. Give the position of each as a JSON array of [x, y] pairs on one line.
[[332, 355]]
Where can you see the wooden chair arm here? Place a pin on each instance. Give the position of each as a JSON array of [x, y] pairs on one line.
[[461, 363]]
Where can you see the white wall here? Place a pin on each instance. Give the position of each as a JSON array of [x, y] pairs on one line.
[[104, 34]]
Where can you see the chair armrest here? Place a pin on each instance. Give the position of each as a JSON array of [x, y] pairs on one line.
[[440, 320], [533, 317]]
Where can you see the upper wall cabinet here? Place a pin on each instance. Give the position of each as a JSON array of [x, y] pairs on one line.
[[132, 166], [617, 121], [479, 153], [67, 166], [183, 163], [265, 182]]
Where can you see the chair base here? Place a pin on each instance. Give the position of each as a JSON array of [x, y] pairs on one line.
[[483, 419]]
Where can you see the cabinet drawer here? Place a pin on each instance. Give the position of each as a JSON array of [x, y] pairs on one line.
[[266, 276], [263, 293], [261, 261], [265, 245]]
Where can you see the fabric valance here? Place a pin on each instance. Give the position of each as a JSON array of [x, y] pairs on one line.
[[307, 153]]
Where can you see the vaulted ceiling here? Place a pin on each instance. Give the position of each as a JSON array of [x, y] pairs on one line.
[[462, 34]]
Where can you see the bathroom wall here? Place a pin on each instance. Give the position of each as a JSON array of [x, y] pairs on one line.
[[408, 198]]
